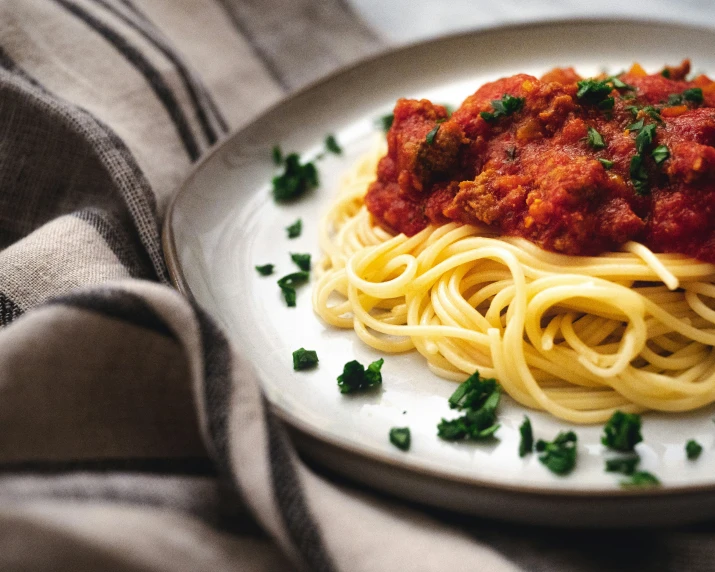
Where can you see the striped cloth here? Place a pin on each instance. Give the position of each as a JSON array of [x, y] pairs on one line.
[[129, 440]]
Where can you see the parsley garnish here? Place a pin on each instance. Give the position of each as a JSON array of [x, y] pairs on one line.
[[594, 139], [637, 126], [607, 104], [526, 444], [693, 95], [277, 155], [386, 121], [639, 176], [660, 154], [332, 145], [289, 283], [559, 455], [265, 270], [641, 479], [693, 449], [665, 73], [593, 90], [400, 437], [304, 359], [479, 399], [295, 229], [429, 138], [624, 465], [503, 107], [645, 138], [356, 378], [606, 163], [295, 180], [302, 260], [622, 431]]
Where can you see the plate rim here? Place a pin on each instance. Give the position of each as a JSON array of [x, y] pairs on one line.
[[178, 279]]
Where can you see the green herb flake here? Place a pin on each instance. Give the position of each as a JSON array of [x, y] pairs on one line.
[[594, 139], [607, 104], [277, 155], [304, 359], [623, 465], [639, 175], [674, 99], [265, 270], [479, 399], [295, 229], [694, 95], [665, 73], [385, 122], [693, 449], [526, 444], [622, 431], [400, 437], [289, 283], [641, 479], [503, 107], [429, 138], [606, 163], [331, 145], [637, 126], [644, 139], [559, 455], [356, 378], [302, 260], [660, 154], [593, 91], [296, 179]]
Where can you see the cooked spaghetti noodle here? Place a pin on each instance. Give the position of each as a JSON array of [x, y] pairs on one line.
[[577, 336]]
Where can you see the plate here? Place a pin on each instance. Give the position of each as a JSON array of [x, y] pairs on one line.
[[223, 223]]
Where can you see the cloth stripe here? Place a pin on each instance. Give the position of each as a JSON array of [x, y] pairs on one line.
[[297, 518], [9, 311], [150, 73], [120, 305], [196, 94], [180, 466], [118, 240]]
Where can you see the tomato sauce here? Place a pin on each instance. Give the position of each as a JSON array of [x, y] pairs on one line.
[[575, 166]]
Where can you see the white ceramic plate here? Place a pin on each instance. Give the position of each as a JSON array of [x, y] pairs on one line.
[[223, 223]]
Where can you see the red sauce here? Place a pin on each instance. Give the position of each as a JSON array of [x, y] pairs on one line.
[[534, 172]]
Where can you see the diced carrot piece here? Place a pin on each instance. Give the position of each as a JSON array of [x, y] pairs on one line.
[[674, 111], [637, 70]]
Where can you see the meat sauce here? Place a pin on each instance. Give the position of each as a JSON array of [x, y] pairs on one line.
[[575, 166]]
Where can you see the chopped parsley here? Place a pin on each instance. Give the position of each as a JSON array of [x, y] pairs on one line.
[[296, 179], [594, 139], [624, 465], [304, 359], [637, 126], [594, 91], [356, 378], [660, 154], [622, 431], [639, 176], [693, 449], [641, 479], [606, 163], [277, 155], [479, 399], [385, 121], [295, 229], [302, 260], [559, 455], [692, 95], [503, 107], [644, 139], [526, 444], [429, 138], [645, 135], [400, 437], [665, 73], [265, 270], [331, 145], [289, 283]]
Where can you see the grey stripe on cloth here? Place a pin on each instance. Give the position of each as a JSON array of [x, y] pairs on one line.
[[200, 99], [287, 34], [291, 499], [117, 304], [143, 65], [8, 310], [84, 164]]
